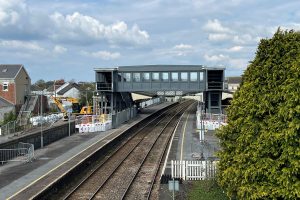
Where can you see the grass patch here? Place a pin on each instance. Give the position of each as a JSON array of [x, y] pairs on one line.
[[206, 190]]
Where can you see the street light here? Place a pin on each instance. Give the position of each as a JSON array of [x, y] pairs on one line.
[[42, 139]]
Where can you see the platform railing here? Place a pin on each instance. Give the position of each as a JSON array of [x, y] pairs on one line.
[[23, 152], [215, 85], [104, 86]]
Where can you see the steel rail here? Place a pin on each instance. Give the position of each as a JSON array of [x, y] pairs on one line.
[[160, 161], [102, 185], [151, 148], [117, 150]]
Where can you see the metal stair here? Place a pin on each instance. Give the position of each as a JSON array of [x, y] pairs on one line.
[[26, 109]]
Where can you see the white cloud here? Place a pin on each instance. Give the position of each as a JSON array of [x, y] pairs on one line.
[[177, 50], [59, 49], [235, 48], [238, 63], [216, 58], [218, 37], [82, 27], [216, 27], [20, 45], [244, 39], [11, 11], [104, 55], [226, 61], [288, 26], [183, 47]]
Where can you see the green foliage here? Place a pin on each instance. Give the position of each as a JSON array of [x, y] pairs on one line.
[[86, 95], [206, 190], [9, 117], [260, 157]]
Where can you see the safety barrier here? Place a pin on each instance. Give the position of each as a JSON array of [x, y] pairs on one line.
[[96, 127], [193, 170], [93, 123], [212, 117], [23, 152], [210, 121]]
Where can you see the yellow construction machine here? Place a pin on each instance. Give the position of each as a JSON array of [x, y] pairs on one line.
[[69, 103]]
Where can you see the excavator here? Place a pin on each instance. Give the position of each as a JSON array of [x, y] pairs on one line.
[[69, 103]]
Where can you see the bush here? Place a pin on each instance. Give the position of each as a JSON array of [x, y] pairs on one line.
[[8, 117], [260, 157]]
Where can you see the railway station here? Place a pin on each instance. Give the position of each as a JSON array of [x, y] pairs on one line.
[[107, 154]]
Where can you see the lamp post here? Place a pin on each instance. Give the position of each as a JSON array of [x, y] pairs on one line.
[[42, 139]]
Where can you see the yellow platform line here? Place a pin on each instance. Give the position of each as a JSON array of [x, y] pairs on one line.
[[36, 180]]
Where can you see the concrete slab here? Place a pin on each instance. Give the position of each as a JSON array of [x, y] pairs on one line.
[[15, 176]]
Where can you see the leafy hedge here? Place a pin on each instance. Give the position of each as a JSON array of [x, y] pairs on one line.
[[260, 157]]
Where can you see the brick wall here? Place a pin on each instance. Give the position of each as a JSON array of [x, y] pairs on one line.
[[10, 94]]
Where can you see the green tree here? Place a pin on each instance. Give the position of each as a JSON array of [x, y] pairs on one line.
[[260, 157], [9, 117], [40, 83], [87, 90]]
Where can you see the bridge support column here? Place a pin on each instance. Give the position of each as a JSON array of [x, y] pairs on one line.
[[213, 102]]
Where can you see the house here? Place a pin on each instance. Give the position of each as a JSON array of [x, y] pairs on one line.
[[14, 85], [234, 83], [68, 89]]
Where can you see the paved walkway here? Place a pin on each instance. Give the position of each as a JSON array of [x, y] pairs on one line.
[[186, 145], [15, 176]]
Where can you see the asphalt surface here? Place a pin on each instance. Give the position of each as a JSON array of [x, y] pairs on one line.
[[16, 175]]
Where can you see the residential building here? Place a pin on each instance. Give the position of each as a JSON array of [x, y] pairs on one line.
[[234, 83], [68, 90], [14, 85]]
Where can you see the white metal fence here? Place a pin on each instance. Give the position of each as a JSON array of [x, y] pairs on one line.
[[150, 102], [193, 170], [23, 152]]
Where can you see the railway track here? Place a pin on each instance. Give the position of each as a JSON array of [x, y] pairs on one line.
[[142, 184], [129, 173]]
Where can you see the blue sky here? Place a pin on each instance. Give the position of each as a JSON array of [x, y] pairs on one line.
[[68, 39]]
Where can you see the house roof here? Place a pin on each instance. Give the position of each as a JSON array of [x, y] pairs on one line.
[[68, 87], [51, 87], [35, 88], [5, 103], [9, 71], [234, 79]]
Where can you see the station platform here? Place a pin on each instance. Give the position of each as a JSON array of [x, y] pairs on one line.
[[186, 145], [15, 176]]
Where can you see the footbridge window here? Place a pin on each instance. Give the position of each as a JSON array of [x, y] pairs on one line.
[[136, 77], [155, 76], [165, 76], [201, 76], [127, 77], [193, 76], [184, 76], [174, 76], [146, 76]]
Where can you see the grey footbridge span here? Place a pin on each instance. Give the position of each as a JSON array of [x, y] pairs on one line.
[[114, 85]]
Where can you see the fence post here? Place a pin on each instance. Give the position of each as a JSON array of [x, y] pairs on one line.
[[172, 168], [183, 169]]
